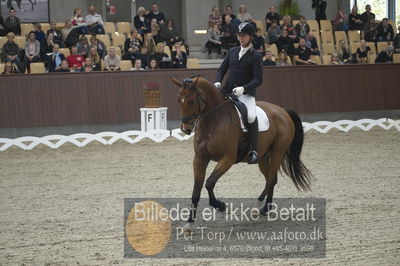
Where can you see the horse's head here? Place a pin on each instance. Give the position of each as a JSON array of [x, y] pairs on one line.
[[192, 103]]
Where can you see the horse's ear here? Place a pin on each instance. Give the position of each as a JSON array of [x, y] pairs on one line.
[[176, 82]]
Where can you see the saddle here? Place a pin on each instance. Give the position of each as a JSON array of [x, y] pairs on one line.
[[241, 107]]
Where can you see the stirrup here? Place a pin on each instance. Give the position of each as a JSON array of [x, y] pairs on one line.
[[253, 157]]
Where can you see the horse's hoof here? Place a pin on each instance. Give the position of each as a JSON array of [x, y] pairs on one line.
[[188, 228]]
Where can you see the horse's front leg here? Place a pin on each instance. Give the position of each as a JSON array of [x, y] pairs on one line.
[[199, 168], [222, 167]]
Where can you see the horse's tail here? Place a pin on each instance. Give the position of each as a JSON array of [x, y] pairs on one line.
[[292, 165]]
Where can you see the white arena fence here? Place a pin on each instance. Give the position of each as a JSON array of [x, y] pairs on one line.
[[134, 136]]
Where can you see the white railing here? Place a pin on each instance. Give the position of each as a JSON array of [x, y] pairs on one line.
[[134, 136]]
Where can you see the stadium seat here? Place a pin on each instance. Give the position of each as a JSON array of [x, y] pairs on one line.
[[382, 46], [192, 63], [372, 46], [326, 25], [119, 40], [37, 68], [126, 65], [326, 59], [340, 35], [327, 37], [102, 65], [60, 25], [371, 58], [26, 28], [2, 68], [261, 24], [124, 27], [273, 49], [354, 46], [20, 40], [314, 27], [396, 58], [45, 27], [109, 27], [295, 22], [393, 23], [328, 48], [3, 40], [354, 36], [105, 39], [65, 51], [316, 59], [118, 51]]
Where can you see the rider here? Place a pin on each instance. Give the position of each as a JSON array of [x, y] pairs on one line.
[[245, 75]]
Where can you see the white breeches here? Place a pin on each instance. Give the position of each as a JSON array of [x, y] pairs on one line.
[[250, 103]]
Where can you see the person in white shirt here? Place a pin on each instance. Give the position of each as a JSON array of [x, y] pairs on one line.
[[94, 21]]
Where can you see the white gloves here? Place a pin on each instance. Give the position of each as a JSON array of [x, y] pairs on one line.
[[238, 91], [218, 85]]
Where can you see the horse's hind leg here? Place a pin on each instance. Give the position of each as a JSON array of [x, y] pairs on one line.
[[270, 169], [221, 168]]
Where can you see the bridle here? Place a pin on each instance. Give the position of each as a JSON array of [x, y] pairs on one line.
[[201, 102]]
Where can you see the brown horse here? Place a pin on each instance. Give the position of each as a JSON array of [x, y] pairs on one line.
[[218, 137]]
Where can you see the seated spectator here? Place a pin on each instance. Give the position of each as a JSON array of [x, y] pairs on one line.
[[11, 49], [302, 54], [140, 21], [288, 26], [12, 23], [340, 21], [96, 60], [271, 16], [39, 34], [2, 26], [55, 59], [150, 43], [32, 50], [355, 22], [179, 58], [75, 60], [169, 33], [144, 56], [228, 32], [384, 31], [10, 68], [70, 35], [47, 47], [284, 42], [259, 42], [215, 18], [64, 67], [99, 45], [83, 46], [268, 59], [155, 13], [132, 46], [89, 66], [57, 36], [153, 65], [343, 52], [312, 44], [244, 16], [363, 52], [112, 61], [284, 59], [335, 60], [162, 58], [78, 22], [214, 40], [229, 11], [274, 32], [137, 66], [370, 34], [367, 16], [155, 31], [94, 21], [396, 42], [302, 28], [386, 56]]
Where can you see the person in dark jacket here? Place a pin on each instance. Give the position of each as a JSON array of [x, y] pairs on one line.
[[302, 28], [55, 59], [319, 7], [355, 22], [367, 16], [244, 64], [169, 33], [386, 56], [271, 16], [155, 13], [229, 11], [56, 34], [228, 32], [2, 27], [179, 57], [132, 46], [11, 49], [285, 43], [140, 21], [12, 23], [259, 42], [268, 59], [396, 42], [384, 31]]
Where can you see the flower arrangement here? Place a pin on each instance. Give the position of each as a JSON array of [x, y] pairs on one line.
[[152, 95], [152, 86], [289, 7]]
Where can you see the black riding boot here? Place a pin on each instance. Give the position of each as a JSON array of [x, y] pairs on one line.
[[252, 132]]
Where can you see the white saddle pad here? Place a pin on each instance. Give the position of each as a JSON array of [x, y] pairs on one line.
[[262, 118]]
